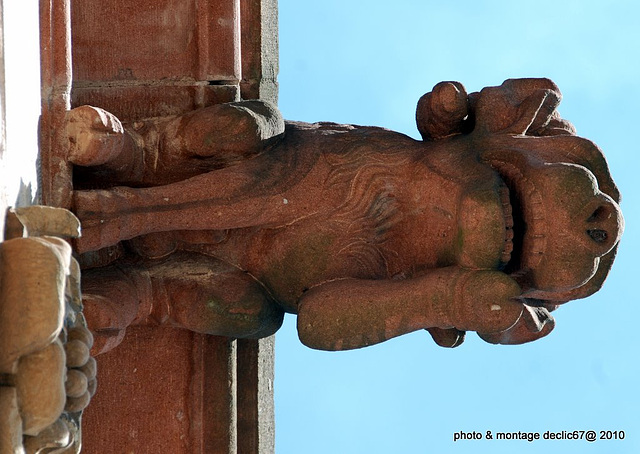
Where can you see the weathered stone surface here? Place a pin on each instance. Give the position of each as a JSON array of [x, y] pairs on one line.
[[497, 217], [56, 439], [10, 421], [138, 60], [40, 385], [55, 55], [256, 410], [177, 39], [40, 308], [130, 103], [31, 315], [39, 220], [191, 393], [259, 32]]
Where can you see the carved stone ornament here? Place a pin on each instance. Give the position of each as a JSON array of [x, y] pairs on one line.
[[223, 219], [47, 376]]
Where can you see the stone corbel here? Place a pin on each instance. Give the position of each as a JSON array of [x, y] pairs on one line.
[[47, 376]]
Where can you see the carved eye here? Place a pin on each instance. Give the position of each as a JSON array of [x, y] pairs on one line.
[[600, 214]]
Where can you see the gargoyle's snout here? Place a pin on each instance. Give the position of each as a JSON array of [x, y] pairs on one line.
[[582, 225], [603, 225], [572, 258], [565, 221]]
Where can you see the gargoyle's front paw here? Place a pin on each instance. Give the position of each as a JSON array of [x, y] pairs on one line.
[[535, 323], [95, 136], [447, 337], [98, 234], [98, 211], [487, 302], [107, 326]]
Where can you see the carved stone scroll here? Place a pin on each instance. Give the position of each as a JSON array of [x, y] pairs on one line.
[[46, 374]]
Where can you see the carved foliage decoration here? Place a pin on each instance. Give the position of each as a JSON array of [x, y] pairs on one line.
[[46, 374]]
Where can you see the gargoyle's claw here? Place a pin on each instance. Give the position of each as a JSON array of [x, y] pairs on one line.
[[449, 338], [98, 211], [535, 322], [486, 301], [104, 320], [95, 136]]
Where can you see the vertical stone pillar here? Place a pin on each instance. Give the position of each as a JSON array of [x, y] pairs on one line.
[[256, 358], [3, 189], [164, 389], [256, 412], [259, 50], [55, 57]]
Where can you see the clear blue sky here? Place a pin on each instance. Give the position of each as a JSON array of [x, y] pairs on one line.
[[368, 62]]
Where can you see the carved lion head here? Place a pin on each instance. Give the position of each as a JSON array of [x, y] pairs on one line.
[[564, 205]]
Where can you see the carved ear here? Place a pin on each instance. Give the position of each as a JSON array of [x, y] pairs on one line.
[[443, 111], [556, 126], [535, 112], [518, 106]]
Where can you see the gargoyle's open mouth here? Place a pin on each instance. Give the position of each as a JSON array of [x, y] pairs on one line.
[[525, 234], [508, 253]]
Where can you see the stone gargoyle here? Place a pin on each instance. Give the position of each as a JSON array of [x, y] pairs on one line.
[[223, 219]]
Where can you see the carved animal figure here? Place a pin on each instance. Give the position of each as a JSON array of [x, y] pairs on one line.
[[223, 219]]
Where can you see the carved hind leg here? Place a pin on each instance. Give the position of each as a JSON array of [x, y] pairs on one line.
[[164, 150], [186, 290]]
